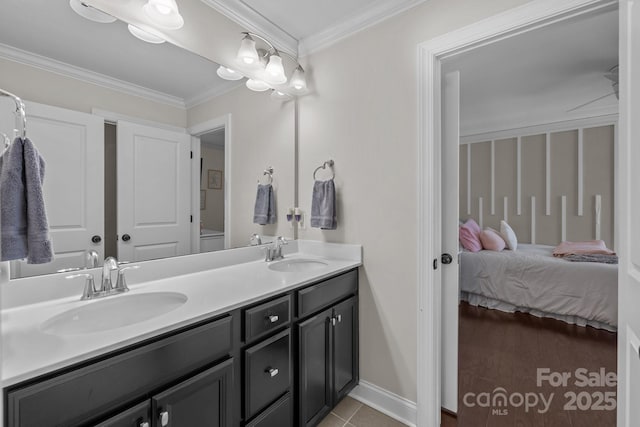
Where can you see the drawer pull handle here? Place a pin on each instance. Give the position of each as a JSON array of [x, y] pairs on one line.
[[164, 418], [273, 318], [272, 372], [339, 318]]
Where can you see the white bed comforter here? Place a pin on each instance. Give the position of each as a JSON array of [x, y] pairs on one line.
[[530, 279]]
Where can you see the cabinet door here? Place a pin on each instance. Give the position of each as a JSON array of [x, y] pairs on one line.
[[314, 364], [138, 416], [204, 400], [345, 348]]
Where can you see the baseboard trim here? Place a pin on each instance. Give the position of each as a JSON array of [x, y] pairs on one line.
[[388, 403]]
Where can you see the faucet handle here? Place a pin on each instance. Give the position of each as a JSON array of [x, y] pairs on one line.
[[89, 285], [282, 240], [121, 283]]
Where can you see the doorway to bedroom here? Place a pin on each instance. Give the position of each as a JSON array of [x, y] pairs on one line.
[[536, 341]]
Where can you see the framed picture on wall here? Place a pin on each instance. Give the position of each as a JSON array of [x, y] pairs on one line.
[[215, 179], [203, 199]]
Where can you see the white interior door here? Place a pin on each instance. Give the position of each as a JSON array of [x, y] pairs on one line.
[[628, 212], [154, 192], [449, 217], [72, 144]]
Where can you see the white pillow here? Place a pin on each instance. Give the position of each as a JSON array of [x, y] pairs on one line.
[[508, 235]]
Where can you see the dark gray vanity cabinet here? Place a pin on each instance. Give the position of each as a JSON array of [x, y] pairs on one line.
[[107, 387], [285, 361], [203, 400], [327, 347], [268, 366]]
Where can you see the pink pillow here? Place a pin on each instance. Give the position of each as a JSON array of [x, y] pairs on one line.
[[469, 235], [473, 226], [491, 240]]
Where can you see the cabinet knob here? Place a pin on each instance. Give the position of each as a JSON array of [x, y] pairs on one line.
[[144, 424], [164, 418], [272, 372], [273, 318], [339, 318]]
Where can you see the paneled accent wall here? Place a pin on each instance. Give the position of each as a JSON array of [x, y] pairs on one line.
[[550, 186]]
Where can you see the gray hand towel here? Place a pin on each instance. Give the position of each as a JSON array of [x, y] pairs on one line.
[[323, 205], [265, 208], [23, 218]]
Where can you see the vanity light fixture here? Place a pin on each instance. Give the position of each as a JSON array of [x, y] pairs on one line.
[[265, 68], [145, 35], [164, 13], [257, 85], [90, 12], [274, 71], [276, 94], [298, 81], [247, 53], [228, 74]]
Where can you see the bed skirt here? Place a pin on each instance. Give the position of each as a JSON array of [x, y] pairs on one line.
[[483, 301]]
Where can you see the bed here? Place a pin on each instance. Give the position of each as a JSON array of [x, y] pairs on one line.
[[532, 280]]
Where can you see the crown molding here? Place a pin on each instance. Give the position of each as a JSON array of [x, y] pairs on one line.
[[379, 11], [212, 93], [51, 65], [245, 16]]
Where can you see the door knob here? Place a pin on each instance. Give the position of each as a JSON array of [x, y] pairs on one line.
[[446, 259], [126, 237], [164, 418], [96, 239]]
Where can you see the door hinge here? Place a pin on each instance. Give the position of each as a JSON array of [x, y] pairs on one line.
[[435, 263]]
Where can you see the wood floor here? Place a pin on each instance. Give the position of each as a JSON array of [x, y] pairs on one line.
[[505, 350]]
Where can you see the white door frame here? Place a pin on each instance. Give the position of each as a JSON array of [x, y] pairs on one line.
[[527, 17], [221, 122]]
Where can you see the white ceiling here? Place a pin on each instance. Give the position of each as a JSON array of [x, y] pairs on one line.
[[539, 75], [303, 18], [550, 70]]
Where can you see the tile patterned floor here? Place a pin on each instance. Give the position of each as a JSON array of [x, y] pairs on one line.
[[351, 413]]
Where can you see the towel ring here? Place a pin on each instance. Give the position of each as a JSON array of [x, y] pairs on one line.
[[324, 166], [7, 141], [269, 173], [20, 111]]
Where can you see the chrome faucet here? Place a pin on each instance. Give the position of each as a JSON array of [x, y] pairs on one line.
[[91, 259], [110, 264], [274, 251], [255, 240], [112, 283]]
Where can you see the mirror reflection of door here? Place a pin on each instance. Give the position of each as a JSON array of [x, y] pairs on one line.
[[72, 144], [212, 190]]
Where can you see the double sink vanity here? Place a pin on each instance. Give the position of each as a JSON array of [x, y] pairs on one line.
[[216, 339]]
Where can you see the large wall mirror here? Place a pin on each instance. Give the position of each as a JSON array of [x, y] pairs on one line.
[[149, 154]]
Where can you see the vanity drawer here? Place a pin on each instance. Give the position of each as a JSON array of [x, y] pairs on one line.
[[267, 372], [279, 414], [318, 296], [90, 392], [266, 317]]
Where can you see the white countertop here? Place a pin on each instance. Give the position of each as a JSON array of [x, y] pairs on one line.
[[28, 352]]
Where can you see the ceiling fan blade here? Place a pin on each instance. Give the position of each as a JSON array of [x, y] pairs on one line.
[[590, 102]]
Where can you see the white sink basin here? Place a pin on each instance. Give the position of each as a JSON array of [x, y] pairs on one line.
[[297, 265], [113, 312]]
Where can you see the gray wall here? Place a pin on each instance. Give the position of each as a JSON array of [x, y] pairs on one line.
[[597, 167]]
